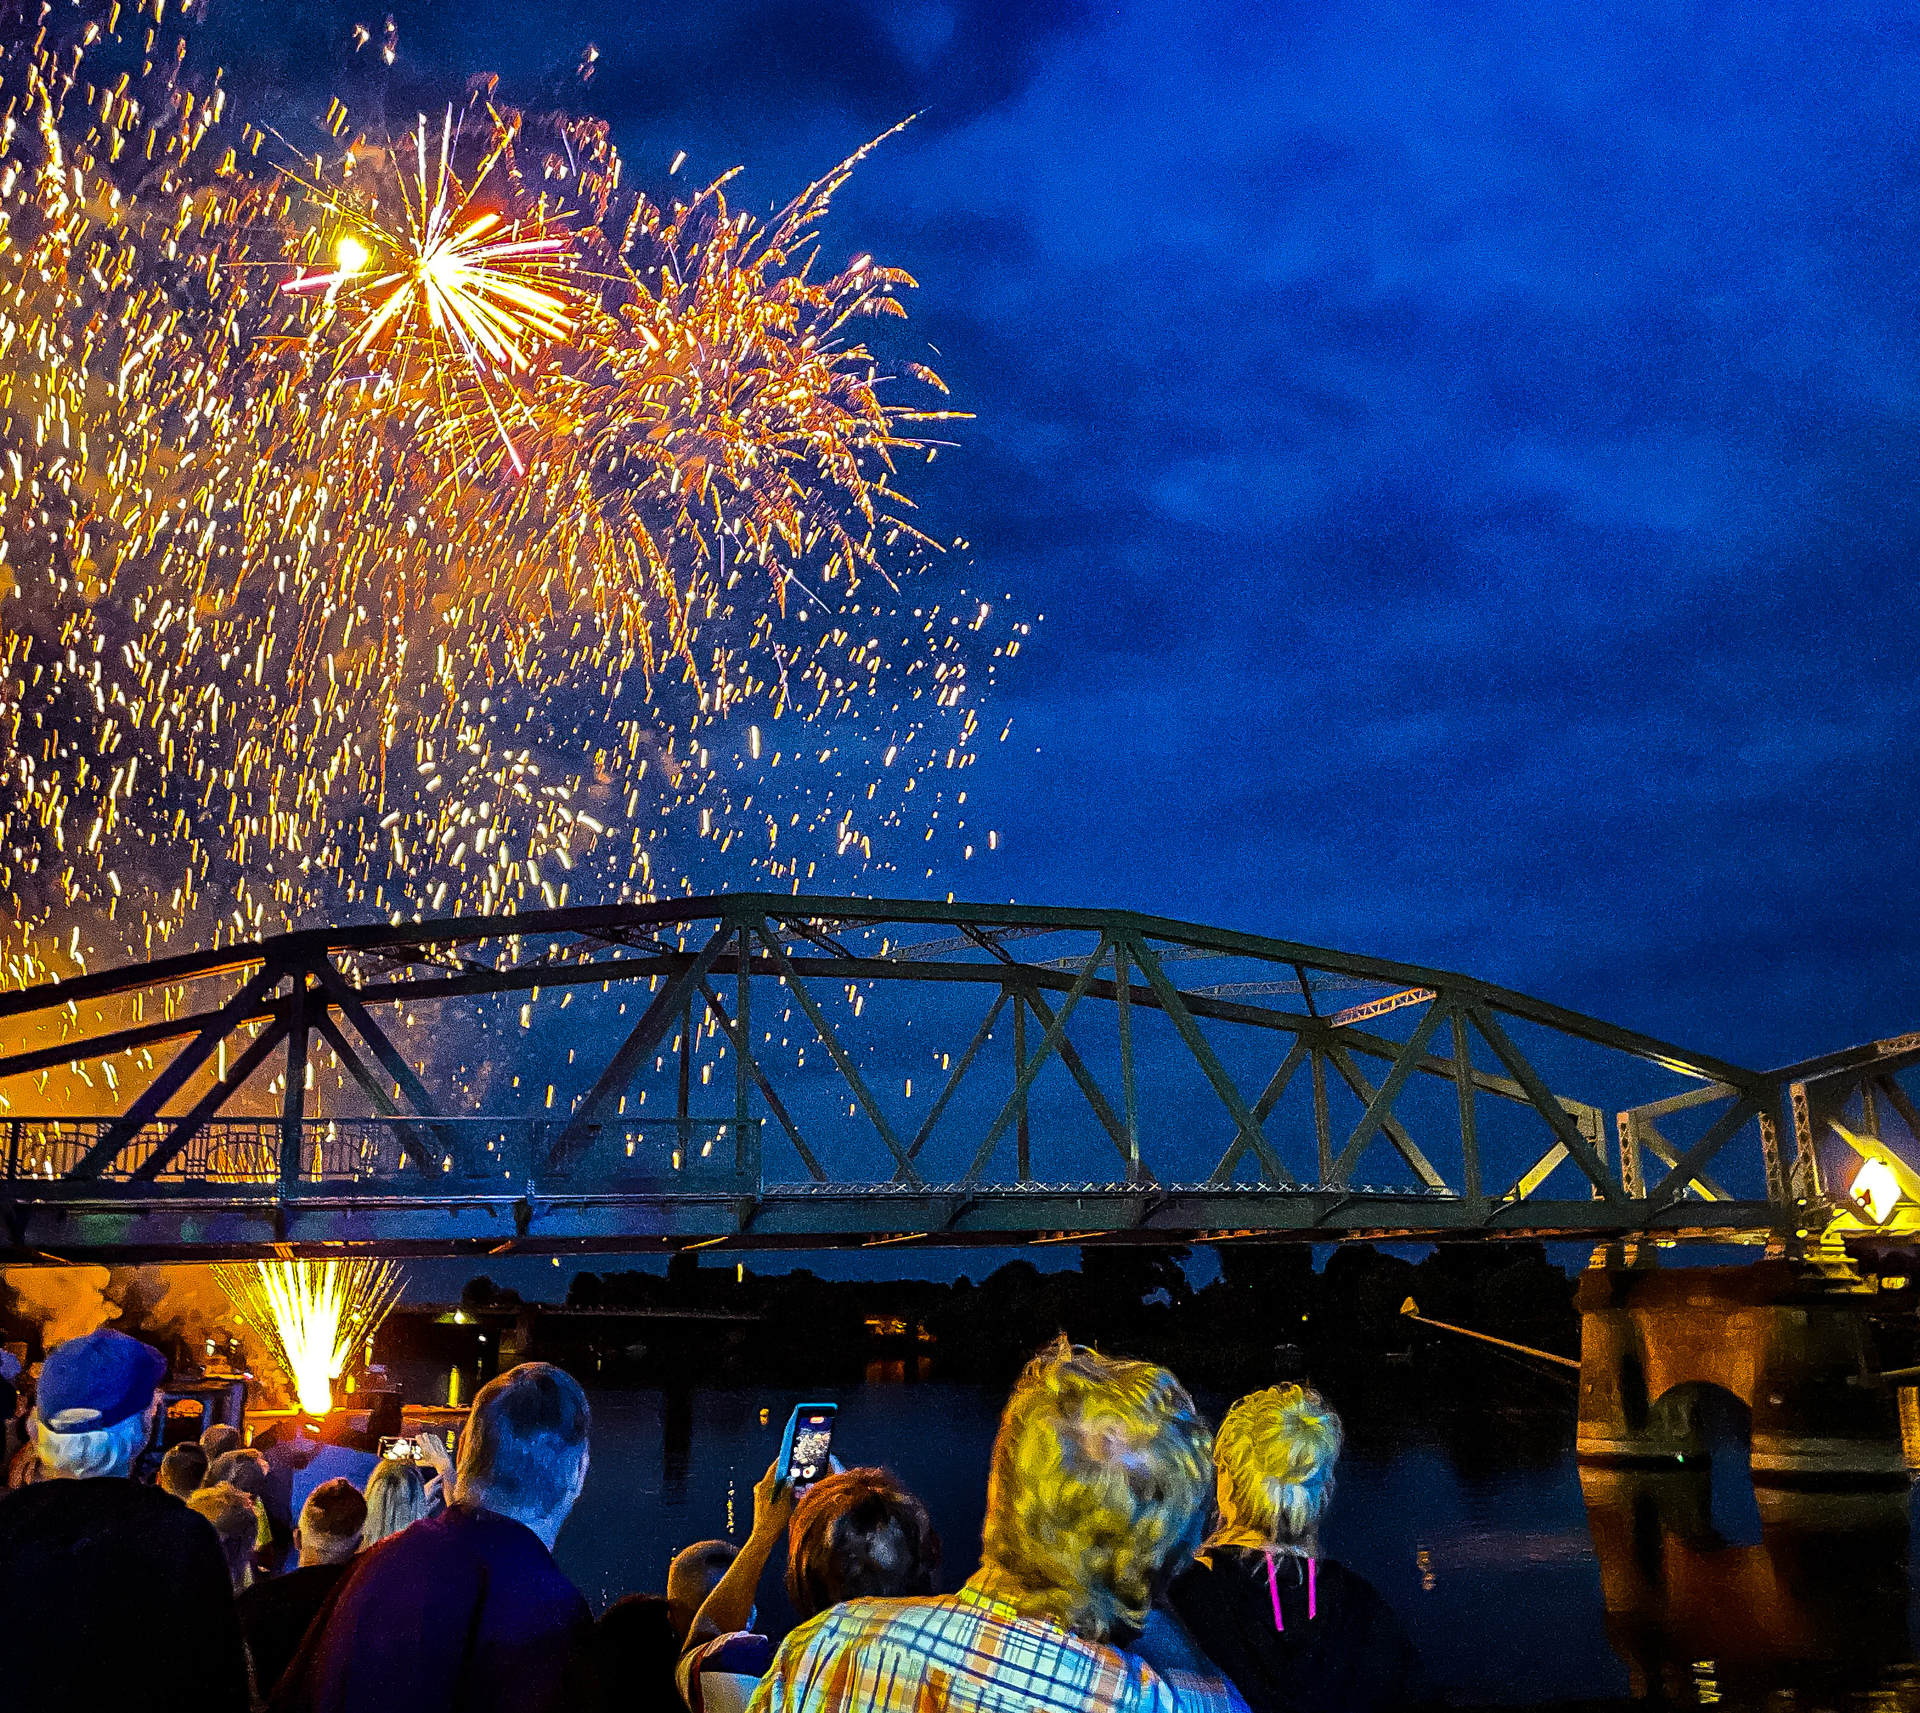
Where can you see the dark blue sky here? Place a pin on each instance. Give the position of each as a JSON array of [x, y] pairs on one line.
[[1464, 453]]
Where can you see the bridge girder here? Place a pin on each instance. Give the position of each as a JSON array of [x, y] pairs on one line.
[[195, 1162]]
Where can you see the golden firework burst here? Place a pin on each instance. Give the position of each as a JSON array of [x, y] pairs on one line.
[[454, 290], [465, 574]]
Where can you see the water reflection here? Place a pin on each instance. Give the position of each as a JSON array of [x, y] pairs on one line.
[[1819, 1604], [676, 1443]]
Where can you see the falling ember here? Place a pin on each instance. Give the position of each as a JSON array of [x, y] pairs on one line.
[[313, 1315]]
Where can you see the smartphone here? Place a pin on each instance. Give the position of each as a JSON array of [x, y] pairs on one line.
[[400, 1450], [808, 1441]]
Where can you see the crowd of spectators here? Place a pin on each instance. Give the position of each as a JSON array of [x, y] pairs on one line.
[[1132, 1561]]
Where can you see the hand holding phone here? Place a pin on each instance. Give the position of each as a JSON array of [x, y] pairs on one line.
[[807, 1446]]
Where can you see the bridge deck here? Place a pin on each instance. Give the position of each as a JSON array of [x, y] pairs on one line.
[[133, 1223]]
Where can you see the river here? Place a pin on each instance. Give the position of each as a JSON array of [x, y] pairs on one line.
[[1519, 1585]]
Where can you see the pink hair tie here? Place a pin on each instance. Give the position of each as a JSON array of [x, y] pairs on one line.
[[1273, 1589]]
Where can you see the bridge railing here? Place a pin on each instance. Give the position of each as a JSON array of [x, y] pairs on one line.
[[663, 1155]]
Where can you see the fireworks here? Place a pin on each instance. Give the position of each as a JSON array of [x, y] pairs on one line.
[[453, 276], [313, 1315], [428, 524]]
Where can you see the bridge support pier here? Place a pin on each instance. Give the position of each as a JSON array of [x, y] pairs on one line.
[[1789, 1342]]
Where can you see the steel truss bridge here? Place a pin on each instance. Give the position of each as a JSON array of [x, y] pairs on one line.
[[1084, 1076]]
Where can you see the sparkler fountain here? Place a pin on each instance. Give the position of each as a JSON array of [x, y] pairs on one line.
[[313, 1315]]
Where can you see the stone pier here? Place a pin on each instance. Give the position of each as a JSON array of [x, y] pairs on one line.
[[1787, 1340]]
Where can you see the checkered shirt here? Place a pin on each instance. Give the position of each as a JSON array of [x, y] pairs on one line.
[[969, 1652]]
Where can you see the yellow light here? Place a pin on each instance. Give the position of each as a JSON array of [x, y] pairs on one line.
[[1875, 1186], [312, 1314], [350, 255]]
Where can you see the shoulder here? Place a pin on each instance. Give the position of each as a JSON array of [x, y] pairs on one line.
[[514, 1555], [1211, 1584], [305, 1586], [744, 1653], [639, 1615], [1338, 1582], [107, 1502], [862, 1623]]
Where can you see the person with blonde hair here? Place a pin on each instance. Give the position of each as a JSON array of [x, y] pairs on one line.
[[1097, 1496], [1296, 1631], [236, 1520], [396, 1498]]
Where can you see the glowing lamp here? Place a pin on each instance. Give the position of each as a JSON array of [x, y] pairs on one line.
[[1877, 1189]]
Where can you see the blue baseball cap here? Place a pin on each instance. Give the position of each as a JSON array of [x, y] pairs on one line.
[[98, 1381]]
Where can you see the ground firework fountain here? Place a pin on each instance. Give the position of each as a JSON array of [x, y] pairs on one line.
[[313, 1315]]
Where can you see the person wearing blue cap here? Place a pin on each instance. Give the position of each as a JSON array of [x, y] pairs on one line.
[[111, 1594]]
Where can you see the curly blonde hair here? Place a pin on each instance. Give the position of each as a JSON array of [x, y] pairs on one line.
[[1274, 1457], [1098, 1488]]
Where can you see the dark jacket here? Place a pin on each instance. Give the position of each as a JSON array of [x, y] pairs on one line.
[[114, 1595], [462, 1613], [637, 1648], [1351, 1657], [275, 1614]]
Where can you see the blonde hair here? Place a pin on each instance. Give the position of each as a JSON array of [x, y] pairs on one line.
[[1098, 1488], [396, 1499], [1274, 1457], [235, 1521]]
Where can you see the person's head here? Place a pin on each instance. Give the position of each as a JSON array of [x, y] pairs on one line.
[[237, 1524], [330, 1524], [396, 1499], [859, 1534], [524, 1453], [219, 1439], [244, 1468], [694, 1574], [96, 1404], [183, 1468], [1098, 1488], [1274, 1456]]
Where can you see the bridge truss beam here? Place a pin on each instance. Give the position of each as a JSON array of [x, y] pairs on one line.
[[236, 1169]]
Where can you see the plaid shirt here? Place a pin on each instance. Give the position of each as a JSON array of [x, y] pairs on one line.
[[969, 1652]]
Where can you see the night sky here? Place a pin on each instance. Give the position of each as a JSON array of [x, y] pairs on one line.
[[1463, 453]]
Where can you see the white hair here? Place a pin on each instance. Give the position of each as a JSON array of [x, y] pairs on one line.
[[80, 1456]]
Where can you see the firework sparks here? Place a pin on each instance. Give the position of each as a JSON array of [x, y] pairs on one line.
[[313, 1315], [454, 276], [454, 575]]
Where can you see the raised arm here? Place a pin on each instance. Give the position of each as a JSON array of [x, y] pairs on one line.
[[730, 1605]]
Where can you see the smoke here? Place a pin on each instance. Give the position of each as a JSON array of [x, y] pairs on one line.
[[62, 1302], [166, 1306]]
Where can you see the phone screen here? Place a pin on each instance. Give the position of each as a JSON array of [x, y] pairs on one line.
[[400, 1450], [809, 1441]]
